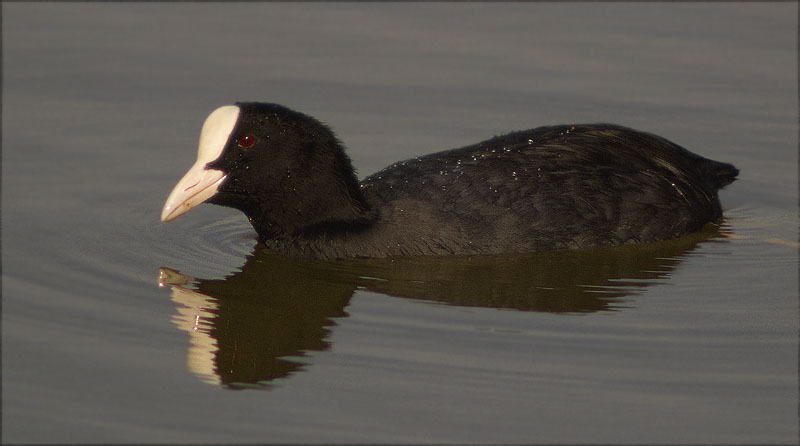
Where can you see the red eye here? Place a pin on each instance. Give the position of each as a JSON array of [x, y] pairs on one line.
[[246, 141]]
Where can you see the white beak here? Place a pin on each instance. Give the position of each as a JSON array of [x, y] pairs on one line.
[[198, 185], [201, 183]]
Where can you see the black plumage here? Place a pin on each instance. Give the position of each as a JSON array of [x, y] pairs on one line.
[[548, 188]]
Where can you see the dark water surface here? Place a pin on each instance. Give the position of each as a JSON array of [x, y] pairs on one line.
[[117, 328]]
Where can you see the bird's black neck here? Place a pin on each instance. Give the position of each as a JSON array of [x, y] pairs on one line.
[[307, 221]]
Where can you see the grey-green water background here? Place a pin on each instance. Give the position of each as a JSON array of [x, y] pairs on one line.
[[101, 109]]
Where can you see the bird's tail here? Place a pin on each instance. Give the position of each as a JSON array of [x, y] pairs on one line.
[[717, 174]]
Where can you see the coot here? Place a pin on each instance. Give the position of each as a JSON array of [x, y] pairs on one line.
[[549, 188]]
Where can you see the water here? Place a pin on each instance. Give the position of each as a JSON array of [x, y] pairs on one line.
[[118, 328]]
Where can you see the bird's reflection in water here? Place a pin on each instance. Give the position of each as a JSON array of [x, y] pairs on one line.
[[243, 328], [256, 325]]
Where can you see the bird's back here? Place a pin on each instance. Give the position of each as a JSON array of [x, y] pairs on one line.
[[559, 187]]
